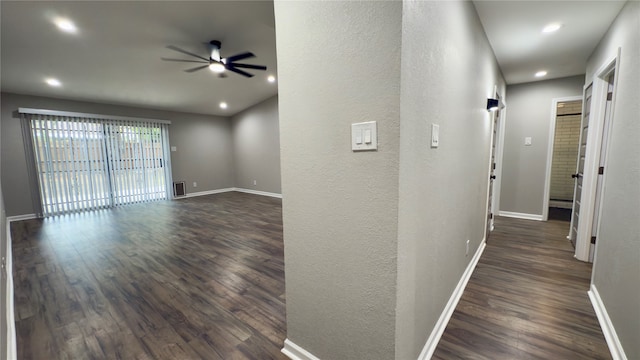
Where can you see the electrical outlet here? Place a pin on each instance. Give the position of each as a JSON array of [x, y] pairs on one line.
[[467, 251], [255, 182], [195, 184]]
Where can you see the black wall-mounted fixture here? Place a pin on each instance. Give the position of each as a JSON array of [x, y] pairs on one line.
[[493, 104]]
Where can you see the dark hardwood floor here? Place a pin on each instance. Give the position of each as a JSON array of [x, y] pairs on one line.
[[527, 299], [203, 278], [198, 278]]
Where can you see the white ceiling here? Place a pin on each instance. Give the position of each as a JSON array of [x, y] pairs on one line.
[[115, 56], [514, 29]]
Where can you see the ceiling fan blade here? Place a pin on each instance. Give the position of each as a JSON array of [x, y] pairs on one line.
[[175, 48], [249, 66], [244, 73], [236, 57], [196, 68], [181, 60]]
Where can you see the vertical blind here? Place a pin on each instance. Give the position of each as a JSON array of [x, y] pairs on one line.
[[88, 162]]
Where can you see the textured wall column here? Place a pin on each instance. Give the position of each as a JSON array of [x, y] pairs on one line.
[[339, 63]]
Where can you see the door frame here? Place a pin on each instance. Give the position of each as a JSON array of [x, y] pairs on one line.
[[498, 142], [551, 142], [592, 153]]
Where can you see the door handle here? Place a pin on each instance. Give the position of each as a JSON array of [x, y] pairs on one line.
[[576, 176], [492, 177]]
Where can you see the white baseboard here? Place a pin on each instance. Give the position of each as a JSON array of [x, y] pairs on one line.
[[561, 204], [202, 193], [218, 191], [521, 215], [295, 352], [615, 347], [11, 219], [438, 330], [12, 353], [256, 192]]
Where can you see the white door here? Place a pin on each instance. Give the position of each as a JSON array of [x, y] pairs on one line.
[[578, 176]]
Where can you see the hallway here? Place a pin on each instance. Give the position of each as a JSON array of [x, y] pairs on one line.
[[527, 299]]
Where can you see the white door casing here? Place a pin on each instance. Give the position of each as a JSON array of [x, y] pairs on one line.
[[595, 136]]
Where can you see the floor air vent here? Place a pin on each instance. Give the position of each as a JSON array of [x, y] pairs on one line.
[[179, 189]]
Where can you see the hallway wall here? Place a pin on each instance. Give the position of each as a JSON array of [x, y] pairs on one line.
[[528, 114], [3, 282], [354, 219], [448, 72], [616, 269]]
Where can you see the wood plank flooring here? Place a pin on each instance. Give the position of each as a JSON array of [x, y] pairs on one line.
[[527, 299], [203, 278], [197, 278]]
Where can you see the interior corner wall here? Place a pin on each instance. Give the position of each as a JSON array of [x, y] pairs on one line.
[[204, 146], [338, 64], [448, 72], [616, 269], [524, 168], [256, 147], [4, 321]]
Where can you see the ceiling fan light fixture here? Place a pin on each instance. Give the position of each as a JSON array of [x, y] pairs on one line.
[[541, 73], [271, 79], [223, 105], [217, 67]]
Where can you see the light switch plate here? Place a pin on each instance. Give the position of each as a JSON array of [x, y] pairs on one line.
[[174, 148], [527, 141], [364, 136], [435, 135]]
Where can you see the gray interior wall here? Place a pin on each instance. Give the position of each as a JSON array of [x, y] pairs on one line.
[[204, 146], [3, 281], [448, 72], [524, 168], [339, 206], [256, 147], [616, 270]]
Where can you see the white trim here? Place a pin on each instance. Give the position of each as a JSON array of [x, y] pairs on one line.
[[11, 219], [615, 347], [561, 204], [438, 330], [86, 115], [295, 352], [551, 142], [518, 215], [12, 353], [202, 193], [256, 192], [497, 183], [592, 156]]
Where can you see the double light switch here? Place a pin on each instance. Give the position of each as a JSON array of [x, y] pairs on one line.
[[364, 136]]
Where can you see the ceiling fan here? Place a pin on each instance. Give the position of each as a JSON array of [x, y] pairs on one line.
[[216, 63]]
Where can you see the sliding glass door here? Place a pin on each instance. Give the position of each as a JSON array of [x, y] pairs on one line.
[[84, 164]]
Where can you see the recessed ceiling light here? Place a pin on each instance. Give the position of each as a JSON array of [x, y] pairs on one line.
[[66, 25], [223, 105], [551, 28], [541, 73], [216, 67], [271, 79], [53, 82]]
